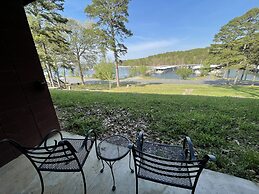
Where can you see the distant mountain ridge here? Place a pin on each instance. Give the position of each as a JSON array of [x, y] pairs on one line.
[[193, 56]]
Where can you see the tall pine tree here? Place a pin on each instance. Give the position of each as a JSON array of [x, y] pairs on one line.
[[111, 16], [48, 29]]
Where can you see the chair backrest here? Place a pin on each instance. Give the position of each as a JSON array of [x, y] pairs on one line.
[[61, 152], [172, 170], [182, 173], [50, 152]]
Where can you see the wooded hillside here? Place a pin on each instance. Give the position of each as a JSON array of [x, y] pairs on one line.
[[194, 56]]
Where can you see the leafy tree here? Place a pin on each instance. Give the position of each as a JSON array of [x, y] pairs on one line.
[[105, 71], [252, 52], [138, 70], [62, 59], [48, 28], [111, 17], [83, 43], [236, 42], [226, 55], [184, 73]]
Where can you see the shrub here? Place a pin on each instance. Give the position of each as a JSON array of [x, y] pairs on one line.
[[184, 73], [105, 71], [138, 70]]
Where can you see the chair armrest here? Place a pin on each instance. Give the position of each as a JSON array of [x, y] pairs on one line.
[[210, 157], [130, 146], [68, 144], [84, 144], [13, 143], [91, 131], [51, 133], [140, 140], [207, 158], [188, 142]]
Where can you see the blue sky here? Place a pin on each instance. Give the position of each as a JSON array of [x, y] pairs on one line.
[[160, 26]]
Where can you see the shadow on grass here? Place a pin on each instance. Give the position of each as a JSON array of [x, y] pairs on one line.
[[215, 82], [254, 92], [148, 84], [250, 90]]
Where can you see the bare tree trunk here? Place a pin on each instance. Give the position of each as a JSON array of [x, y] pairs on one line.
[[49, 75], [236, 78], [245, 76], [255, 72], [47, 72], [48, 67], [115, 57], [242, 75], [65, 77], [80, 70], [228, 78], [117, 74], [58, 79], [227, 73], [244, 72]]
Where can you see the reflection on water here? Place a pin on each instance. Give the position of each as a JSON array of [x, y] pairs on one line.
[[250, 76], [124, 72], [168, 75]]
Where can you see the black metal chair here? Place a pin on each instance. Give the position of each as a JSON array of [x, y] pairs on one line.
[[168, 164], [63, 155]]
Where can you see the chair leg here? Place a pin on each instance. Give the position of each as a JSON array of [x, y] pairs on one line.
[[96, 152], [136, 185], [131, 170], [41, 181], [84, 182]]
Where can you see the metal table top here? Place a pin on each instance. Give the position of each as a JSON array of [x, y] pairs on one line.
[[113, 148]]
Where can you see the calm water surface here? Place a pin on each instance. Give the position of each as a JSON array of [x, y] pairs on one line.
[[124, 72]]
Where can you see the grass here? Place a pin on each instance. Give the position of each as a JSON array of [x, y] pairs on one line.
[[191, 89], [224, 126], [180, 89]]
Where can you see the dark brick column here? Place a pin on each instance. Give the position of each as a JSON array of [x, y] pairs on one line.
[[26, 110]]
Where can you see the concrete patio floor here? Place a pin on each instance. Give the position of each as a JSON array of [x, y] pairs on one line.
[[19, 176]]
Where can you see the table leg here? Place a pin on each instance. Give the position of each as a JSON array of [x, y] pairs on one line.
[[113, 178], [101, 171], [110, 164]]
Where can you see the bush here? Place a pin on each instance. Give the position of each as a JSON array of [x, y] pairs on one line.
[[138, 70], [104, 71], [184, 73]]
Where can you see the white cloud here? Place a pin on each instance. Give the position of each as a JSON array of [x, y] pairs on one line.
[[150, 45], [144, 38], [144, 48]]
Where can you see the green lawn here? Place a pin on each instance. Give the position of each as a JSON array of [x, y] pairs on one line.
[[203, 90], [224, 126]]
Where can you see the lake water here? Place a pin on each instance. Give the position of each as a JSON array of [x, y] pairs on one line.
[[124, 72], [250, 76]]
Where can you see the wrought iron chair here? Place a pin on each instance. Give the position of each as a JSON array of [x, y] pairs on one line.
[[168, 164], [65, 155]]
